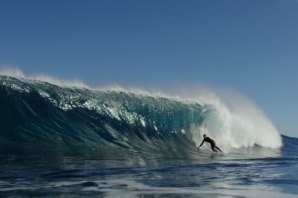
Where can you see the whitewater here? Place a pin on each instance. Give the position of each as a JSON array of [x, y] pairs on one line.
[[61, 138]]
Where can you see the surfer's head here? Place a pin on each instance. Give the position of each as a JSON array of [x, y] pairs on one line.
[[204, 135]]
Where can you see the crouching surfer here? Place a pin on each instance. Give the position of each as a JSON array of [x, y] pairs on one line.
[[211, 142]]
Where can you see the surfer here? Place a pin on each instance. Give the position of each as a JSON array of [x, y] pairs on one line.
[[211, 142]]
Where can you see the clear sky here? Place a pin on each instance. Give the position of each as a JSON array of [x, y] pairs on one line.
[[247, 45]]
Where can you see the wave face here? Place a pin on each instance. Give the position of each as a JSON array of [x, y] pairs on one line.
[[38, 117], [290, 146]]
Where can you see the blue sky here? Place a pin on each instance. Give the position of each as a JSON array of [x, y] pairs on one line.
[[247, 45]]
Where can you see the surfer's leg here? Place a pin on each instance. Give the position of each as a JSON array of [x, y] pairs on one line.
[[212, 146], [218, 148]]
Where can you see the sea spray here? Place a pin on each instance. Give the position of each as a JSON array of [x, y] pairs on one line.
[[237, 122]]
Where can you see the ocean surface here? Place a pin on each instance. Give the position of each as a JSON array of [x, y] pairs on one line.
[[64, 140]]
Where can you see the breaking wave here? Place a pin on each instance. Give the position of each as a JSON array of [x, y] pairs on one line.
[[44, 116]]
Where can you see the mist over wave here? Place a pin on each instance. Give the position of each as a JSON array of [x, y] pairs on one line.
[[40, 114]]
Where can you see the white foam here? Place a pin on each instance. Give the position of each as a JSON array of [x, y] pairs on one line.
[[237, 122]]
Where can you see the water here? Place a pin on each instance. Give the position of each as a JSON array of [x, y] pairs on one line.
[[209, 175], [58, 140]]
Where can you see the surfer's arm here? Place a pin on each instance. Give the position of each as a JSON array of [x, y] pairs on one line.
[[201, 143]]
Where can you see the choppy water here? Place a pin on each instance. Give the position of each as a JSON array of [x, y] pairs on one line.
[[209, 175]]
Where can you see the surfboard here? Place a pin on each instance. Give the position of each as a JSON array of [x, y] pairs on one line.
[[209, 152]]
